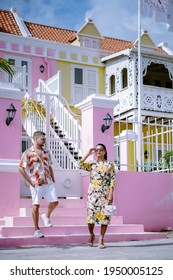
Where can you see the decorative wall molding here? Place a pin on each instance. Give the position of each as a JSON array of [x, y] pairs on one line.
[[147, 61], [42, 48], [9, 165], [12, 93], [96, 100]]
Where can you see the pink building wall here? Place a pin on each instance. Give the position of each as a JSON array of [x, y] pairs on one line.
[[93, 113], [145, 198], [107, 138], [50, 67], [9, 142], [9, 157]]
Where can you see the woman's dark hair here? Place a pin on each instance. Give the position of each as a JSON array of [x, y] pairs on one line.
[[104, 147]]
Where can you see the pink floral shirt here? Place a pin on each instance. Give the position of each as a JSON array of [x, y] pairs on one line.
[[37, 168]]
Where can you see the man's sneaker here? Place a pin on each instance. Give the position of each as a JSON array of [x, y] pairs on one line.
[[46, 221], [38, 233]]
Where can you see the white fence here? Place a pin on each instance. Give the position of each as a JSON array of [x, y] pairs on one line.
[[156, 145]]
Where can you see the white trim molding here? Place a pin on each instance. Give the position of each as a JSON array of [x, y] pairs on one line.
[[21, 24], [11, 93], [9, 165], [96, 100]]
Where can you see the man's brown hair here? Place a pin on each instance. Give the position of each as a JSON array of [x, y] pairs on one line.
[[38, 133]]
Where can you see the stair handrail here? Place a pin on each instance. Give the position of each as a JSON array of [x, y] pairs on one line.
[[42, 84], [55, 141], [67, 120]]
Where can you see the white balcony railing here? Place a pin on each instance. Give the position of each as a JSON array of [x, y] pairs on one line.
[[157, 99], [152, 98], [18, 80]]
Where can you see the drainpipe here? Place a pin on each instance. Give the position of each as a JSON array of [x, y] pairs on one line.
[[47, 107], [47, 66]]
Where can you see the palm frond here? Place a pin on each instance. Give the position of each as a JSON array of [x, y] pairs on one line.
[[5, 65]]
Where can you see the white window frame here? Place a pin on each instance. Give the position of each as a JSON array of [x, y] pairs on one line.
[[18, 60], [85, 87], [123, 88], [89, 42]]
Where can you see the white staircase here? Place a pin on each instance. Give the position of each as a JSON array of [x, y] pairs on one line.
[[64, 133]]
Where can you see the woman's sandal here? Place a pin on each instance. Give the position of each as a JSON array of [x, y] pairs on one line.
[[91, 240], [101, 242]]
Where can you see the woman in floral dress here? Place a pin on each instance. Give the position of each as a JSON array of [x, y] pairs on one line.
[[100, 192]]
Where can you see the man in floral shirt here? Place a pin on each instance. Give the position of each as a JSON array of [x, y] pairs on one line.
[[35, 167]]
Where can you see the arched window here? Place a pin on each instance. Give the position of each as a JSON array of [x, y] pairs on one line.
[[157, 75], [124, 78], [112, 85]]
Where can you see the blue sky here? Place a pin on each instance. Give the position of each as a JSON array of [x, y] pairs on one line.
[[113, 18]]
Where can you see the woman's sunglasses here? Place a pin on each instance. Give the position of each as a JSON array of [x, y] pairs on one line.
[[99, 149]]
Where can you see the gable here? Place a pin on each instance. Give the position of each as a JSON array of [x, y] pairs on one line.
[[146, 41], [89, 29]]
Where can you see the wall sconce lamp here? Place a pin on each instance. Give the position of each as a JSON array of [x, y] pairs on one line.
[[11, 114], [146, 154], [41, 68], [108, 122]]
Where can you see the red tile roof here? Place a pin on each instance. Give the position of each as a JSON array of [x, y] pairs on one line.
[[8, 23], [50, 33], [115, 45], [66, 36]]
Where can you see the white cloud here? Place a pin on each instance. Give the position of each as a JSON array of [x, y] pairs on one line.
[[112, 17], [119, 19]]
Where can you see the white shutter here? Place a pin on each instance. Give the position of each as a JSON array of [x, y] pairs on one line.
[[91, 81], [86, 86], [91, 78], [78, 94]]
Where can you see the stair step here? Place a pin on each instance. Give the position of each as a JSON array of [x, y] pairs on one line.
[[67, 203], [7, 242], [57, 212], [55, 220], [69, 229], [68, 144], [78, 157]]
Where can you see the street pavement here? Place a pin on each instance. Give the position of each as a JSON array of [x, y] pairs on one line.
[[158, 249]]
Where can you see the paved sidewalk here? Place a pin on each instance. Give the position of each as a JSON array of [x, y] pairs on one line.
[[158, 249]]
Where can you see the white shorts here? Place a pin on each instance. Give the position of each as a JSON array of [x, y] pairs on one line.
[[48, 191]]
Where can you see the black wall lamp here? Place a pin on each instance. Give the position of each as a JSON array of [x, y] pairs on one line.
[[41, 68], [11, 114], [108, 122], [146, 154]]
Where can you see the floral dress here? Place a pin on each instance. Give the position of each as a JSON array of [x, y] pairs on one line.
[[102, 179]]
